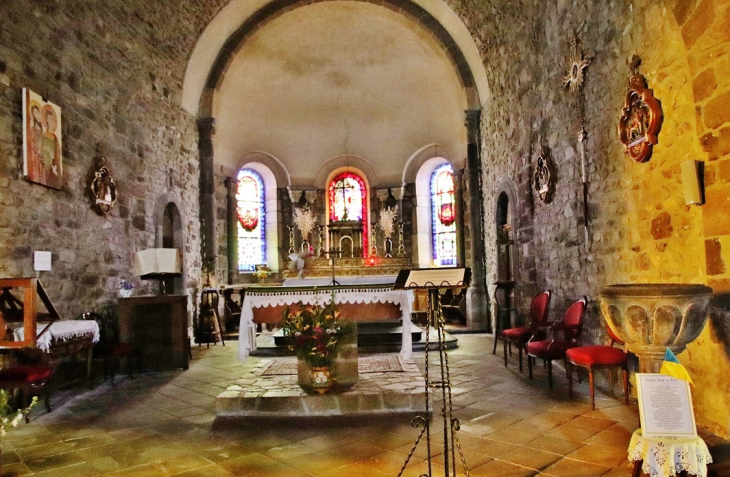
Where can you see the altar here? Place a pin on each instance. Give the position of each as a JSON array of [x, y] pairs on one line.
[[355, 301]]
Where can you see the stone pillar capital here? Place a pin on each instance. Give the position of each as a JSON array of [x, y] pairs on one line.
[[382, 195], [310, 196], [206, 127], [397, 193]]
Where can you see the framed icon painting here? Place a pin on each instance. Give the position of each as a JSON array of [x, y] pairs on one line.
[[42, 159]]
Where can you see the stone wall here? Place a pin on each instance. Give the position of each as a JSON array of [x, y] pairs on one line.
[[116, 70], [640, 229]]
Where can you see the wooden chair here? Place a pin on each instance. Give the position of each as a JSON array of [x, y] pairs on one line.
[[548, 350], [31, 379], [598, 357], [539, 310], [109, 349]]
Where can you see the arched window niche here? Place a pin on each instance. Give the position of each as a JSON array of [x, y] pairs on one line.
[[348, 205], [256, 214], [436, 236]]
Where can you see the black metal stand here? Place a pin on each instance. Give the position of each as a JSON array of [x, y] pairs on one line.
[[333, 254], [442, 382]]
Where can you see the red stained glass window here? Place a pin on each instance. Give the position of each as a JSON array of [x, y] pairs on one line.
[[348, 202]]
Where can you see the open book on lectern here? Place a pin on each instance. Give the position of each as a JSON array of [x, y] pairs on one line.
[[433, 278]]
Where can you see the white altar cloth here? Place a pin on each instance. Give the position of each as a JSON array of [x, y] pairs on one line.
[[322, 282], [62, 331], [260, 299]]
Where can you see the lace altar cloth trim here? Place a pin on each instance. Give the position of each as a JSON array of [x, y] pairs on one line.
[[61, 331], [255, 299], [668, 456]]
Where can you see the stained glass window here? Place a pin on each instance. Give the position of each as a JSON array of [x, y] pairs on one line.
[[348, 201], [251, 220], [443, 216]]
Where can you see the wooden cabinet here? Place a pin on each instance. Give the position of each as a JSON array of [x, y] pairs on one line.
[[158, 328]]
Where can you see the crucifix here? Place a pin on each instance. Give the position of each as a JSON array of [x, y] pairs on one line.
[[574, 82], [342, 187]]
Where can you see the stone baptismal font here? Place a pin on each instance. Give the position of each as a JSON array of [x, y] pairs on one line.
[[652, 317]]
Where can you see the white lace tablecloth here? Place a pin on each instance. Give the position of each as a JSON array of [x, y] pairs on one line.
[[259, 299], [61, 331], [668, 456]]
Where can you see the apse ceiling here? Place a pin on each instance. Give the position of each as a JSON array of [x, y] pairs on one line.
[[339, 78]]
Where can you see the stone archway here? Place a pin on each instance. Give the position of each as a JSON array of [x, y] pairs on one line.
[[169, 233]]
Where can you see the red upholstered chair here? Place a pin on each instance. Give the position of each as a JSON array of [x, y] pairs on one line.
[[598, 357], [539, 309], [548, 350], [32, 380]]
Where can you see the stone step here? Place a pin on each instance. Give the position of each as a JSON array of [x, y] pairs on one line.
[[279, 396]]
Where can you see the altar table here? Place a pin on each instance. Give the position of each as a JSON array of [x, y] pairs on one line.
[[268, 299]]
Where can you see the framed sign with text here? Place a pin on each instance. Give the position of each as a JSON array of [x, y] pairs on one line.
[[665, 406]]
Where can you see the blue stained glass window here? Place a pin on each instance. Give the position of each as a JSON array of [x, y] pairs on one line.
[[251, 220], [443, 216]]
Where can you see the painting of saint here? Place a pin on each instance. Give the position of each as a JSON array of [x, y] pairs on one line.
[[42, 161]]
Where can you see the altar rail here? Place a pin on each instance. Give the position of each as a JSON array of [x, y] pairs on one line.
[[357, 302]]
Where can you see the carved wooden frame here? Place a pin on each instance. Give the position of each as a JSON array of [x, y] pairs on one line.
[[641, 120], [543, 179]]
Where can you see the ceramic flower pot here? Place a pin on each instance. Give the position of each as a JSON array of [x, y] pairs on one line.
[[321, 378]]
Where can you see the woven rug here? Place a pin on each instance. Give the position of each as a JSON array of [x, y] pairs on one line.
[[365, 364]]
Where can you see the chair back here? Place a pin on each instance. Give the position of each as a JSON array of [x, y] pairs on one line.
[[614, 338], [540, 307], [573, 319]]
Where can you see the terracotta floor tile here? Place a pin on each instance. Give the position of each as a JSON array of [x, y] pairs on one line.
[[575, 468], [601, 455], [530, 458], [501, 468], [554, 445]]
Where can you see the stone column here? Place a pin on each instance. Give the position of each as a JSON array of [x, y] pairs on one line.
[[477, 302], [232, 213], [206, 129], [459, 211]]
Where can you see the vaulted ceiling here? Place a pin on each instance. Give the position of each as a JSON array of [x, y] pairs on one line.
[[339, 78]]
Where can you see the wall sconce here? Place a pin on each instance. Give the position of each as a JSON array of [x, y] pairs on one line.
[[693, 181]]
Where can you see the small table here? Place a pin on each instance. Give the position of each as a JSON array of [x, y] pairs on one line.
[[668, 456]]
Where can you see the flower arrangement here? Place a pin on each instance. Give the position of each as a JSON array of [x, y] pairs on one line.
[[262, 272], [304, 218], [314, 332], [8, 417], [387, 220], [126, 285]]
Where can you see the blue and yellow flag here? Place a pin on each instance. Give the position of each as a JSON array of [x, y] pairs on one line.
[[672, 367]]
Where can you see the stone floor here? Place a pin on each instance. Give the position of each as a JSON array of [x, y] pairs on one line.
[[165, 424]]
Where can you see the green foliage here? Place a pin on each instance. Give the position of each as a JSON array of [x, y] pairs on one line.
[[10, 418]]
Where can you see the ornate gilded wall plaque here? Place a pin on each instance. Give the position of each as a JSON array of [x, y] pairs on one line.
[[641, 117], [103, 187], [543, 179]]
